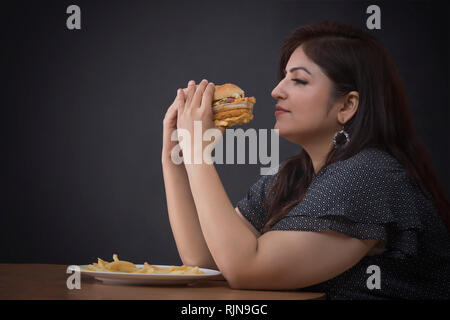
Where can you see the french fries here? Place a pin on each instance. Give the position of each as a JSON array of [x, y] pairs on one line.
[[125, 266]]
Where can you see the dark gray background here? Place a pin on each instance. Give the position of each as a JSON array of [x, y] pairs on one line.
[[81, 111]]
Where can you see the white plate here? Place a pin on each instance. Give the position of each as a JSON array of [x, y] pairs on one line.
[[148, 278]]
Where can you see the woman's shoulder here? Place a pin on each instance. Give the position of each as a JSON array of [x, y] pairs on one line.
[[369, 163], [368, 176], [371, 158], [375, 176]]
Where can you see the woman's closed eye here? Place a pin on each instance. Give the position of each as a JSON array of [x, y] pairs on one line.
[[299, 81]]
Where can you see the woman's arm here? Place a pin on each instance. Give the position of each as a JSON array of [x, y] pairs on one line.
[[183, 218], [184, 221], [276, 260], [182, 212], [231, 242]]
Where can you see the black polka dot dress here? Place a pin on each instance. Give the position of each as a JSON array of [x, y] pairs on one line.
[[369, 196]]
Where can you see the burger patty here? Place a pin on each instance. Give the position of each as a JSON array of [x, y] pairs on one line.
[[229, 113], [232, 121]]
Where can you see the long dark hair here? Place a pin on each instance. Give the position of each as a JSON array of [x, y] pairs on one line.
[[355, 61]]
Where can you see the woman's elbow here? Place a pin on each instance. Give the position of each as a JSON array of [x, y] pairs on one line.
[[198, 262], [238, 283], [234, 283], [232, 276], [240, 280], [246, 278]]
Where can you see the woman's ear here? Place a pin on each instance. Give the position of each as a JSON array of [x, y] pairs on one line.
[[348, 107]]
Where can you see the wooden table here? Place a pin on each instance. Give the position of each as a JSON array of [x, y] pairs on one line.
[[48, 282]]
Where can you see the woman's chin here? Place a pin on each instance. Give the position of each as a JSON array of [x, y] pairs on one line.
[[284, 133], [277, 125], [280, 127], [281, 130]]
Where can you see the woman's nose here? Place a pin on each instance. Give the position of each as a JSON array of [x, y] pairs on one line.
[[277, 92]]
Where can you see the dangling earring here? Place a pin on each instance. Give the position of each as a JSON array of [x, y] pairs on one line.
[[341, 132]]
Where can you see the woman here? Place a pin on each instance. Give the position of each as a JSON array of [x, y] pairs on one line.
[[359, 213]]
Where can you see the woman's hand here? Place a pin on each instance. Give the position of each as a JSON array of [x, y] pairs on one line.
[[195, 122], [169, 126]]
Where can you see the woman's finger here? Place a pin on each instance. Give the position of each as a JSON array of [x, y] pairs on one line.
[[197, 99], [180, 101], [207, 98], [172, 110], [190, 93]]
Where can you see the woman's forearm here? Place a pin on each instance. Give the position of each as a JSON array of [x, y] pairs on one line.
[[231, 243], [183, 217]]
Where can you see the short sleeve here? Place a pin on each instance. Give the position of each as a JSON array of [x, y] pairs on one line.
[[365, 197], [251, 206]]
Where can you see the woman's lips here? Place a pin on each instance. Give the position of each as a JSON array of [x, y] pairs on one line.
[[279, 110]]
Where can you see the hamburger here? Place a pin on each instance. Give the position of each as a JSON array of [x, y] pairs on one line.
[[230, 106]]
